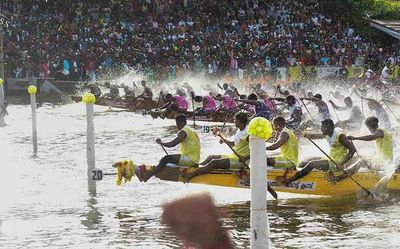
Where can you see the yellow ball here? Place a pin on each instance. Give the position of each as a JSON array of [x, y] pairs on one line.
[[1, 81], [32, 89], [261, 128], [88, 98]]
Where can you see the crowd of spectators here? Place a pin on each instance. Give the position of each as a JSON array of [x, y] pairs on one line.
[[78, 40]]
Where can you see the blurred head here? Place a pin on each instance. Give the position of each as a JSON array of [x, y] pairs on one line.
[[168, 96], [143, 83], [225, 86], [348, 102], [327, 127], [286, 93], [309, 94], [252, 97], [318, 96], [373, 104], [180, 121], [291, 100], [336, 94], [241, 120], [219, 97], [372, 123], [278, 123], [198, 99]]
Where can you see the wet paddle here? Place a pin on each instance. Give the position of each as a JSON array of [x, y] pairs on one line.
[[166, 152], [340, 168], [307, 110], [270, 190], [194, 113]]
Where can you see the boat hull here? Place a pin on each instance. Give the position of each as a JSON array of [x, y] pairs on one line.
[[315, 183]]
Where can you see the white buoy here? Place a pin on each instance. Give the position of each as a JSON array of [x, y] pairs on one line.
[[32, 91], [2, 114], [260, 129], [89, 100], [258, 184]]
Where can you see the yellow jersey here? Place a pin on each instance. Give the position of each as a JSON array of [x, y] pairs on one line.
[[290, 149], [190, 146], [384, 146]]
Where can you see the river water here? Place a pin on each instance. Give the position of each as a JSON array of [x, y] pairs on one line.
[[44, 202]]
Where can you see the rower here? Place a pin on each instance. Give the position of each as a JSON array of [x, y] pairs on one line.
[[380, 112], [147, 93], [173, 104], [95, 90], [261, 109], [284, 93], [228, 104], [129, 94], [267, 100], [341, 152], [382, 138], [356, 117], [295, 113], [229, 91], [188, 89], [287, 143], [323, 109], [189, 148], [114, 92], [209, 105], [240, 146]]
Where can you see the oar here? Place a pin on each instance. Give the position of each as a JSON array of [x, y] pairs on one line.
[[334, 110], [158, 101], [194, 114], [340, 168], [270, 190], [166, 152], [307, 110], [390, 109]]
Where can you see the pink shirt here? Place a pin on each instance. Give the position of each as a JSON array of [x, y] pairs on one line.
[[182, 103], [228, 102], [211, 105], [270, 104]]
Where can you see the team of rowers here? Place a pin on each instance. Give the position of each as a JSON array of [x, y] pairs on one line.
[[342, 150], [342, 162]]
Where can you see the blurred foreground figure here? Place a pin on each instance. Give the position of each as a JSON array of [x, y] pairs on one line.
[[197, 220]]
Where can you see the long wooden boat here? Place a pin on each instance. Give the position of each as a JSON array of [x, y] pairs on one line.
[[217, 117], [139, 105], [315, 183]]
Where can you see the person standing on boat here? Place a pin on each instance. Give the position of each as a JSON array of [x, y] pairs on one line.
[[341, 152], [147, 93], [287, 143], [240, 145], [209, 105], [382, 138], [356, 116], [261, 109], [189, 142]]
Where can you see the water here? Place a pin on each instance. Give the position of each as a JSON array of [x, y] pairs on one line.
[[45, 203]]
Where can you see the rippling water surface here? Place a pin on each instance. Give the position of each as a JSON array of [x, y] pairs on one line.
[[44, 201]]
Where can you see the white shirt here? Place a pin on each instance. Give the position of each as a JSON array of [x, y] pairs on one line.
[[240, 135]]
